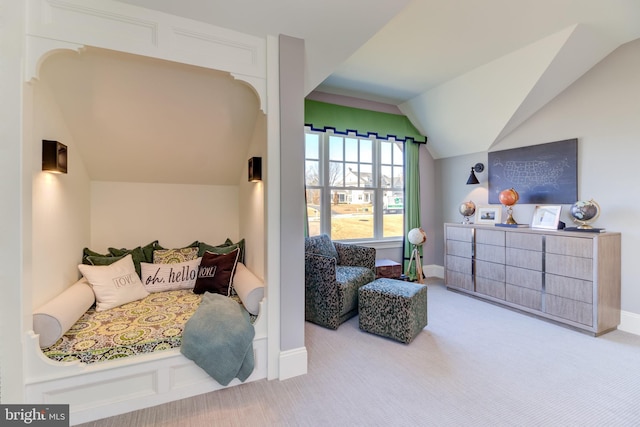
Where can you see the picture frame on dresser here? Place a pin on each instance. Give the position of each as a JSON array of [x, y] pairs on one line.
[[546, 217], [488, 214]]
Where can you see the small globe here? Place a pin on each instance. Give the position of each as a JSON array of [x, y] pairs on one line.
[[417, 236], [509, 197], [583, 212], [467, 208]]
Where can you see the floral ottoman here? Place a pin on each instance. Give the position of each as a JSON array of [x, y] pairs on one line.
[[393, 308]]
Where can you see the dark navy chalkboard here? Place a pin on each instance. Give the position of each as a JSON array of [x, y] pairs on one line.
[[541, 174]]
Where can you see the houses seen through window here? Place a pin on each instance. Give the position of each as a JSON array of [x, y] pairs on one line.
[[354, 186]]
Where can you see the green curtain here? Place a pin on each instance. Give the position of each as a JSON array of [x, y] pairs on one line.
[[322, 116], [412, 202]]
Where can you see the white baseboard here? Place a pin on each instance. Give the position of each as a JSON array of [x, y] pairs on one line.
[[433, 271], [629, 322], [293, 363]]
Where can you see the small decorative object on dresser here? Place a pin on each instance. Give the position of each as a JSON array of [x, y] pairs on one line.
[[488, 215], [467, 209], [509, 198], [583, 212], [546, 217]]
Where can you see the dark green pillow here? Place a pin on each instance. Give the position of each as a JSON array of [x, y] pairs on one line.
[[204, 247], [86, 252], [137, 254], [222, 249], [148, 249], [102, 260]]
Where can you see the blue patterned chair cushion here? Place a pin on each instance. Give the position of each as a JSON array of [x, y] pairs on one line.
[[350, 280]]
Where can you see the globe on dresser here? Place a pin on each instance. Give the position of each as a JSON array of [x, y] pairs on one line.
[[509, 198], [583, 212], [467, 209]]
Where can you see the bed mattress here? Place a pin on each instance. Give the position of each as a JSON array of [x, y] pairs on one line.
[[151, 324], [154, 323]]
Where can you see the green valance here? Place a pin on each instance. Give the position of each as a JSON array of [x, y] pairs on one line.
[[322, 116]]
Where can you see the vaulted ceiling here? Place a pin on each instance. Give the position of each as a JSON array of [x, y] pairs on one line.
[[466, 72]]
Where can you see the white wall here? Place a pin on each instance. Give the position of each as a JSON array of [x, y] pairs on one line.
[[601, 109], [252, 200], [125, 214], [60, 223]]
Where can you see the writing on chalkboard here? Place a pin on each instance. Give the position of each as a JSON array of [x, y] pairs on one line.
[[541, 174]]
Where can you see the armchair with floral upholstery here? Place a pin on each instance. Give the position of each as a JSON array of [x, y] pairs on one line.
[[334, 272]]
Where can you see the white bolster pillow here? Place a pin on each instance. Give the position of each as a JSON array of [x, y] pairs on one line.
[[249, 288], [53, 319]]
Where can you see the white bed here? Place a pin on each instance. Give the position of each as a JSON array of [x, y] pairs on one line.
[[103, 389]]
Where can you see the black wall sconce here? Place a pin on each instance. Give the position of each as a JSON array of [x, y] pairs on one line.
[[255, 169], [478, 167], [54, 156]]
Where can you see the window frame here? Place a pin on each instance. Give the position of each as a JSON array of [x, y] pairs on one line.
[[376, 189]]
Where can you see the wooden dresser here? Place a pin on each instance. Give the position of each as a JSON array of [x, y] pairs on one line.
[[572, 278]]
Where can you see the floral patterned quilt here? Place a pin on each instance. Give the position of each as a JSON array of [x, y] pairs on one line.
[[151, 324]]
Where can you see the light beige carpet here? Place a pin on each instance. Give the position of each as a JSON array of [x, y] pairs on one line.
[[475, 364]]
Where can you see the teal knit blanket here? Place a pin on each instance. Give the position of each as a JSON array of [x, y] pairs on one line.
[[219, 339]]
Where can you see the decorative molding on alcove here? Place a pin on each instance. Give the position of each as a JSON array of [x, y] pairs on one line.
[[39, 49], [72, 24]]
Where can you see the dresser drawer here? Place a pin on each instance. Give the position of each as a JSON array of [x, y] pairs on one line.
[[567, 287], [490, 253], [523, 296], [523, 258], [490, 287], [573, 246], [459, 280], [524, 278], [569, 266], [573, 310], [490, 237], [461, 265], [532, 242], [462, 234], [458, 248], [490, 270]]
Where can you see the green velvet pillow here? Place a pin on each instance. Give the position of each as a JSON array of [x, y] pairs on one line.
[[86, 252], [148, 249], [137, 254], [224, 248], [102, 259], [204, 247]]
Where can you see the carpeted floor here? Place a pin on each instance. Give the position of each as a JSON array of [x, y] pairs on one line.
[[475, 364]]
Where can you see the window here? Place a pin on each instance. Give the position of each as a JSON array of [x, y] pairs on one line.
[[354, 186]]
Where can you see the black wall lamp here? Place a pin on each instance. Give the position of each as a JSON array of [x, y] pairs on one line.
[[478, 167], [255, 169], [54, 156]]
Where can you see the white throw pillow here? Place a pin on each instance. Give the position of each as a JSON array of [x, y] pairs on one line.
[[169, 277], [114, 284]]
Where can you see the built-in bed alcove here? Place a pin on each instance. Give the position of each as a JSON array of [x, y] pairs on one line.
[[157, 150]]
